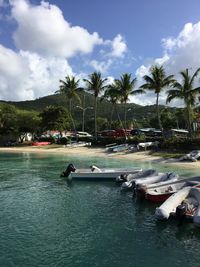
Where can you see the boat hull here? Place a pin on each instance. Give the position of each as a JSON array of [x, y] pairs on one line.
[[103, 175], [158, 198]]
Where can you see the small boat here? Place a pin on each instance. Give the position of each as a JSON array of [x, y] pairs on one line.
[[192, 156], [169, 206], [160, 192], [41, 143], [190, 208], [196, 218], [78, 144], [161, 177], [130, 178], [95, 173], [118, 148]]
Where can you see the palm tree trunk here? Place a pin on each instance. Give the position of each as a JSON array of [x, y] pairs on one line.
[[189, 120], [119, 119], [111, 116], [158, 113], [95, 118], [70, 110], [125, 113]]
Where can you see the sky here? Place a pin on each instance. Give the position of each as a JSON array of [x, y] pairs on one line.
[[41, 42]]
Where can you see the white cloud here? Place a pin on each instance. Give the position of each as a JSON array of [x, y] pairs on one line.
[[101, 66], [42, 29], [118, 46], [29, 76], [45, 40], [179, 53]]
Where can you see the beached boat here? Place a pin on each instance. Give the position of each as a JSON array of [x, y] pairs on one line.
[[41, 143], [78, 144], [94, 172], [130, 178], [160, 192], [192, 156], [117, 148]]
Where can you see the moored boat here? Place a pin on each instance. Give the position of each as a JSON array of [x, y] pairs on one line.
[[129, 179], [190, 208], [169, 206], [160, 192], [160, 178], [94, 172]]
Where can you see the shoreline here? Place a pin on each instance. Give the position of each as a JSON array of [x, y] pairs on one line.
[[142, 156]]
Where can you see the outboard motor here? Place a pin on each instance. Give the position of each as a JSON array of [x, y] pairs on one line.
[[141, 191], [180, 212], [121, 178], [70, 168]]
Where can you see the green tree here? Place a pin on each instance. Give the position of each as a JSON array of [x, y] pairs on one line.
[[112, 95], [95, 84], [157, 82], [55, 118], [70, 88], [28, 121], [187, 92], [8, 119], [125, 86]]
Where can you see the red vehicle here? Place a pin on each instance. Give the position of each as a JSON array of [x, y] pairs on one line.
[[115, 133]]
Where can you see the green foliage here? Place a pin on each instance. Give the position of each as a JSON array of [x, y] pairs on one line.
[[186, 92], [184, 144], [55, 118], [8, 119], [28, 121], [136, 139], [63, 140]]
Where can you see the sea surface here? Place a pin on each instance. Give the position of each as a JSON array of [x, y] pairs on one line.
[[45, 221]]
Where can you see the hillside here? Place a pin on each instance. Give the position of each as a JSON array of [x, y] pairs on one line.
[[104, 107]]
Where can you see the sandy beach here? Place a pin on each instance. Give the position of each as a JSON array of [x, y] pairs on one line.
[[144, 156]]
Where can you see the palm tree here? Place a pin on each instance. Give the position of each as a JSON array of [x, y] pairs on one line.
[[125, 87], [113, 96], [186, 91], [69, 88], [95, 84], [157, 82]]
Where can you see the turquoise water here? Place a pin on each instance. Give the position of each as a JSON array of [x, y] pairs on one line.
[[46, 222]]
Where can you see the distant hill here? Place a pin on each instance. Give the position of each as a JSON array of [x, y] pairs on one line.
[[104, 107]]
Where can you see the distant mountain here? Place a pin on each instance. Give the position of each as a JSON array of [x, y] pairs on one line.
[[104, 107]]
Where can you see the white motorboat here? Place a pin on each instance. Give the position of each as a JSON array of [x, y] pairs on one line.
[[94, 172], [130, 178]]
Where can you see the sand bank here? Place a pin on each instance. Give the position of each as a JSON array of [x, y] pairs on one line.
[[144, 156]]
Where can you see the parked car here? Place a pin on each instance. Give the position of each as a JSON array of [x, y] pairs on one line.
[[82, 134]]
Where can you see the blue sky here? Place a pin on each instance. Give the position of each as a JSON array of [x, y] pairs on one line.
[[41, 42]]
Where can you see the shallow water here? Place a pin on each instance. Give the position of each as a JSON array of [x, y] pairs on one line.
[[47, 222]]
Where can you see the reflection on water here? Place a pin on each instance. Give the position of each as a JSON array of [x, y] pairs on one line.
[[46, 221]]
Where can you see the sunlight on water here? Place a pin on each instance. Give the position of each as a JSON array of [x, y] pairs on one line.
[[47, 222]]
